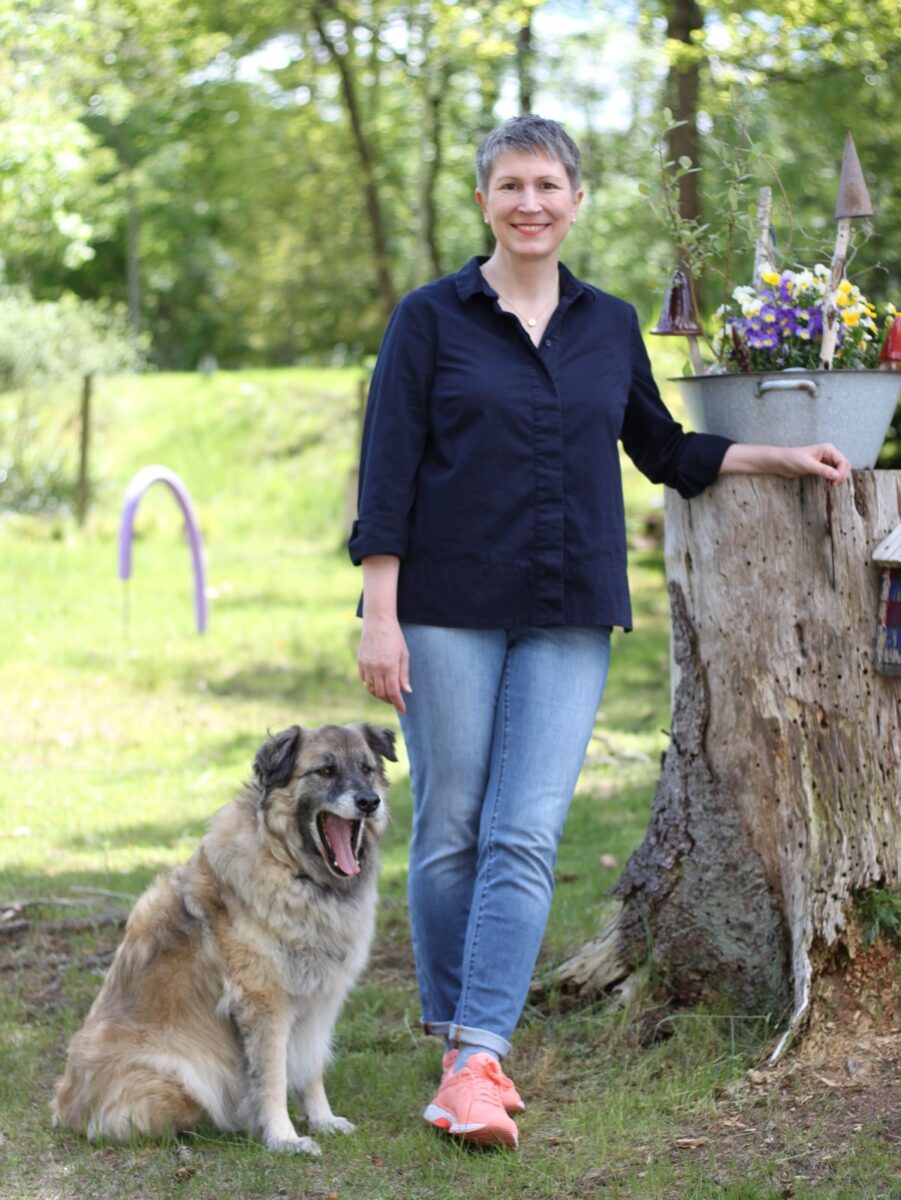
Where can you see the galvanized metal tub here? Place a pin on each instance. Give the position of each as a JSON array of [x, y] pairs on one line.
[[851, 409]]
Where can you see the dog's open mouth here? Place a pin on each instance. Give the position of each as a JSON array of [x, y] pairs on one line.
[[340, 843]]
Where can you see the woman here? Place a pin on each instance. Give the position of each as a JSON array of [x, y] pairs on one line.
[[492, 539]]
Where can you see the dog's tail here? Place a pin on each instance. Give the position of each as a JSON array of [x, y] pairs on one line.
[[118, 1104]]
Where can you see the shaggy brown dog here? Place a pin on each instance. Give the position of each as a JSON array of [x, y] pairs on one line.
[[224, 993]]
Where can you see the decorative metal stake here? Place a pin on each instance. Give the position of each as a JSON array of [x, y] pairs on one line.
[[764, 258], [853, 201]]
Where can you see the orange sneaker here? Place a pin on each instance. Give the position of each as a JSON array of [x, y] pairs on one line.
[[510, 1097], [468, 1104]]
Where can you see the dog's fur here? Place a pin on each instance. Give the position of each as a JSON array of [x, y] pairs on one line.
[[224, 993]]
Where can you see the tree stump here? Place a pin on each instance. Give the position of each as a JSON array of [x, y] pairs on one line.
[[780, 793]]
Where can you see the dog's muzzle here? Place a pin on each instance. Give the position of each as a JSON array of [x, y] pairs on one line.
[[340, 841]]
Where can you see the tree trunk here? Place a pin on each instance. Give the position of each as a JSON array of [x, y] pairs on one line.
[[133, 256], [525, 63], [366, 156], [683, 84], [780, 793], [429, 261]]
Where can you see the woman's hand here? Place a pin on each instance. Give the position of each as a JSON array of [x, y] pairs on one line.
[[382, 658], [791, 462]]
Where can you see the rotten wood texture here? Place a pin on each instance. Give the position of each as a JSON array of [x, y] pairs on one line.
[[780, 793]]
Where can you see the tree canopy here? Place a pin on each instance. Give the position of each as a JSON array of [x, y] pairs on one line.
[[261, 182]]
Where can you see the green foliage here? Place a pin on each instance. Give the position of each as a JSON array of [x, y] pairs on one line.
[[880, 911], [44, 341], [200, 164]]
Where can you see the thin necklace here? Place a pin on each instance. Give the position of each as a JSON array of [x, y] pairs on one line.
[[530, 321]]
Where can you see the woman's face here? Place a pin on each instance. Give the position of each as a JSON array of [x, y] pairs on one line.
[[530, 203]]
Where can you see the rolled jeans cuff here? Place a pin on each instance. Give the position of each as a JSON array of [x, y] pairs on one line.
[[465, 1035]]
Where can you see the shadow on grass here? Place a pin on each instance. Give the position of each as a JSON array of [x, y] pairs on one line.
[[141, 834], [297, 678], [87, 885]]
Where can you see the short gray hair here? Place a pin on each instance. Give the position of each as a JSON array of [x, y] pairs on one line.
[[536, 135]]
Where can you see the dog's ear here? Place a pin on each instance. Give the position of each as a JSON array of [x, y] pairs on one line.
[[380, 740], [275, 759]]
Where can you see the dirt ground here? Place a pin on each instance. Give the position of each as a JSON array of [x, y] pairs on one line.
[[841, 1078]]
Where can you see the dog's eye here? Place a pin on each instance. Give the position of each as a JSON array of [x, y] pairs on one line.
[[327, 772], [367, 768]]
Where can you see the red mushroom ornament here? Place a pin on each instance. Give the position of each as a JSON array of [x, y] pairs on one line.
[[890, 354]]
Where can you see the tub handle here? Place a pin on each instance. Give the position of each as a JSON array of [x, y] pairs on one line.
[[787, 385]]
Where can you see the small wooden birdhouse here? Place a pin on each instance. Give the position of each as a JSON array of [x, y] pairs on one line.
[[887, 557]]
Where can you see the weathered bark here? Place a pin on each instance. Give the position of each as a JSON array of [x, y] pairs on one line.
[[780, 793]]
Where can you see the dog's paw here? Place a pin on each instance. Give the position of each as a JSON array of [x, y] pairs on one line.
[[292, 1145], [332, 1125]]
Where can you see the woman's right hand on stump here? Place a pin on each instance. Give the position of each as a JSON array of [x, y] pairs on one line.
[[791, 462]]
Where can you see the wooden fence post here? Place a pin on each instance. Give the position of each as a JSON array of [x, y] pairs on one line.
[[83, 486]]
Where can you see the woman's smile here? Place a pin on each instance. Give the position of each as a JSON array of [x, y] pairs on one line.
[[529, 199]]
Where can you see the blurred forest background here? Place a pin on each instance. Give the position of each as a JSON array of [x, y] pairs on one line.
[[256, 184]]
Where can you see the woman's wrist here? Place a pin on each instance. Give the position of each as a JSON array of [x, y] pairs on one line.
[[742, 458], [380, 572]]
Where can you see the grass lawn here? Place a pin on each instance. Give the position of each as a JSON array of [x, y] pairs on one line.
[[122, 730]]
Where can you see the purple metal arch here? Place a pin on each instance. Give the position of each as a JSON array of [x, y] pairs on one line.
[[133, 493]]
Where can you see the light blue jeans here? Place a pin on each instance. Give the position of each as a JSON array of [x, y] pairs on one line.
[[496, 730]]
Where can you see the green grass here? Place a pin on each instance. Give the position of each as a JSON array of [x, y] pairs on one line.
[[121, 734]]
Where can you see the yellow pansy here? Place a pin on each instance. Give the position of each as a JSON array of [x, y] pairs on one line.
[[850, 316], [844, 286], [770, 277]]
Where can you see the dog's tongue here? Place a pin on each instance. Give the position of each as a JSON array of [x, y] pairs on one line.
[[339, 833]]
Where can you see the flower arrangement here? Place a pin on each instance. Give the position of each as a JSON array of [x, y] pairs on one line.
[[779, 324]]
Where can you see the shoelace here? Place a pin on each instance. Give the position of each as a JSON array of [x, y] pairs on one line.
[[486, 1080]]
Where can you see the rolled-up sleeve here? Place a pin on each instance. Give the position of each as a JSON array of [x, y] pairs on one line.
[[656, 443], [394, 431]]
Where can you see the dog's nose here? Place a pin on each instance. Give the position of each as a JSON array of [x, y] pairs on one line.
[[367, 803]]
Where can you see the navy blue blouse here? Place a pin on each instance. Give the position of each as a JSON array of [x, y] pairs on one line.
[[489, 465]]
